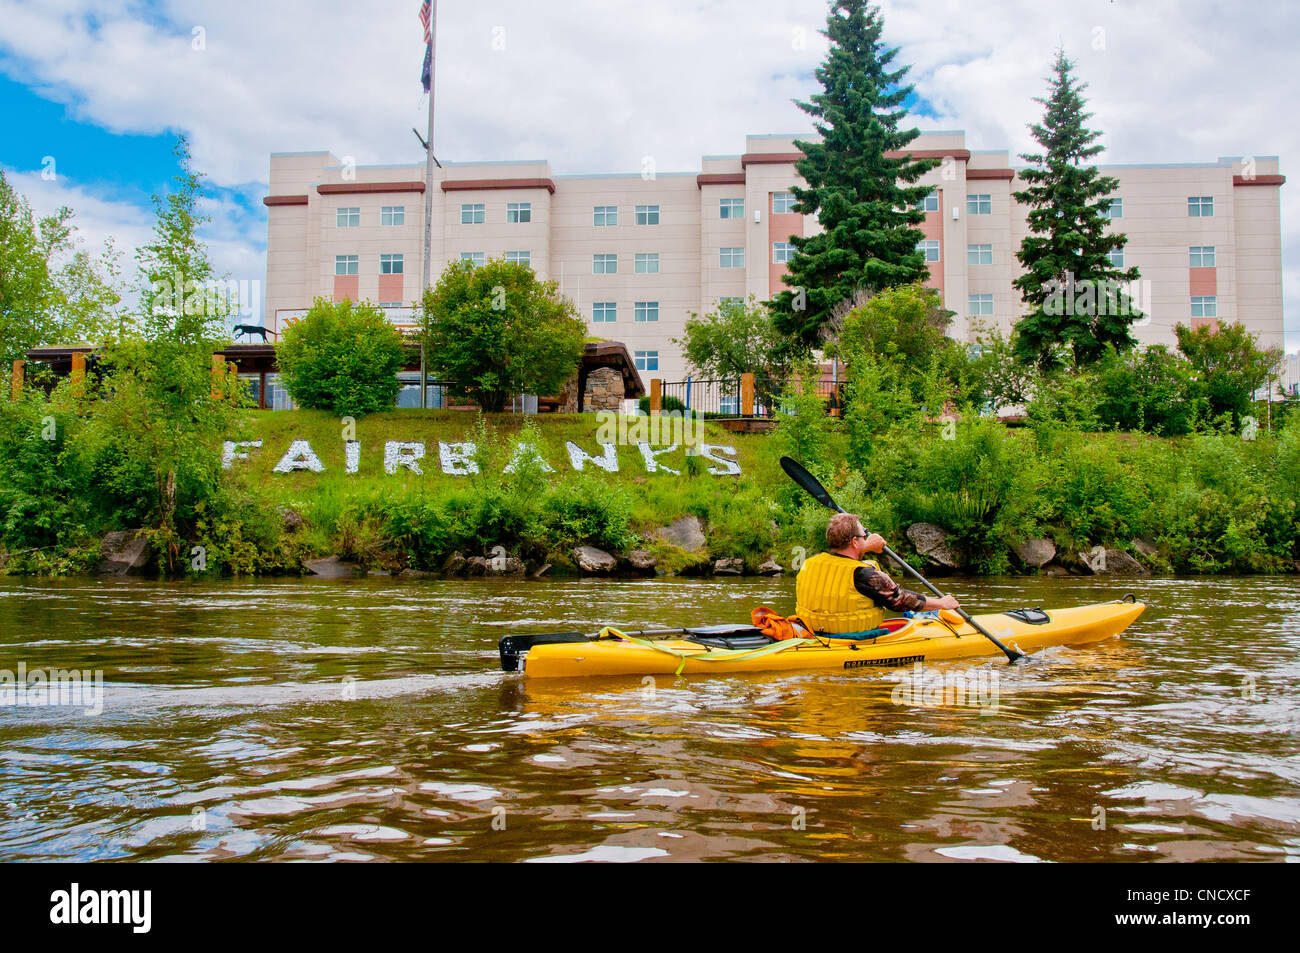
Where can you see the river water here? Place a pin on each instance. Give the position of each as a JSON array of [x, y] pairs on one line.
[[369, 720]]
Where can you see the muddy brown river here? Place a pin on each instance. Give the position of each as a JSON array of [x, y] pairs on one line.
[[369, 720]]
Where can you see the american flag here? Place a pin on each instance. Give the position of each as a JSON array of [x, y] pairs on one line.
[[425, 14]]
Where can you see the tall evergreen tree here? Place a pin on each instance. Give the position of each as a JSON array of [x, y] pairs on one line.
[[1074, 291], [853, 182]]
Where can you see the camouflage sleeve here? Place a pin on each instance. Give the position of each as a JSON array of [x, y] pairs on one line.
[[878, 587]]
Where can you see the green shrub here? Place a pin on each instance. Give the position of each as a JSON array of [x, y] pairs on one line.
[[667, 403], [980, 486], [1151, 390], [1067, 398], [342, 358], [42, 490]]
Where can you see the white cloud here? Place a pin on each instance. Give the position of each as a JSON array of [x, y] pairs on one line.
[[234, 241], [594, 85]]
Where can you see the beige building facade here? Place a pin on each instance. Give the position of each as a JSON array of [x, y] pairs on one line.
[[638, 253]]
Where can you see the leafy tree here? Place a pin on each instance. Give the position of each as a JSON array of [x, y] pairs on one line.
[[1228, 366], [894, 347], [177, 297], [153, 442], [1077, 306], [992, 377], [904, 323], [51, 291], [1150, 389], [496, 331], [853, 179], [341, 357], [738, 338]]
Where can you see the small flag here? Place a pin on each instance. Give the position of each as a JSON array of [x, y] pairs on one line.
[[426, 75]]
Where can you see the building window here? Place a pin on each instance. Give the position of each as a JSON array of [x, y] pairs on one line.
[[477, 257], [731, 208], [1114, 210], [390, 264], [646, 360], [277, 398], [979, 254], [726, 303], [930, 203], [731, 257], [930, 248], [981, 204], [646, 311], [390, 304], [978, 305], [782, 203], [729, 404], [345, 264], [517, 212], [473, 214], [604, 312], [1117, 257], [647, 214], [409, 394], [520, 258], [1205, 307], [347, 217], [782, 252], [392, 215], [604, 215], [648, 263], [1202, 256], [604, 264], [1200, 206]]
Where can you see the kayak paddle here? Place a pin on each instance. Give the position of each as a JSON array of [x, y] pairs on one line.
[[818, 492]]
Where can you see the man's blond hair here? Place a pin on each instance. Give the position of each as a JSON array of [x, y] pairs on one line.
[[841, 530]]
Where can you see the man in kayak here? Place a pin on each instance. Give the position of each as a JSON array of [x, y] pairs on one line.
[[840, 593]]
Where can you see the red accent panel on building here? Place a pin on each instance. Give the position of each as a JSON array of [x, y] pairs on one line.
[[345, 287], [465, 185], [769, 158], [932, 229], [930, 153], [362, 188], [390, 287], [285, 200], [1259, 180], [719, 178], [1205, 322], [1202, 281], [779, 229], [1007, 174]]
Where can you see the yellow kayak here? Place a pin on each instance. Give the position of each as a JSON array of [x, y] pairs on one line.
[[715, 650]]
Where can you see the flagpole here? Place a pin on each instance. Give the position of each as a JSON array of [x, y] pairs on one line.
[[428, 193]]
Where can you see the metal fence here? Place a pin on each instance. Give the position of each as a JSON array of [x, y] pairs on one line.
[[709, 397], [769, 393], [727, 397]]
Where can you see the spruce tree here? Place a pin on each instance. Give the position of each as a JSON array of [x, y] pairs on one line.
[[1077, 305], [869, 219]]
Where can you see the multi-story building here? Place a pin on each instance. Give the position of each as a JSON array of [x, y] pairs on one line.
[[1288, 381], [639, 252]]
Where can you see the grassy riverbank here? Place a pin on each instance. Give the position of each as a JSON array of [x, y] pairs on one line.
[[1203, 503]]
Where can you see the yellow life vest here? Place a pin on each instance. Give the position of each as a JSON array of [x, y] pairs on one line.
[[827, 600]]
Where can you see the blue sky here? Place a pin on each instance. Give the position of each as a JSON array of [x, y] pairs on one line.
[[591, 85]]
